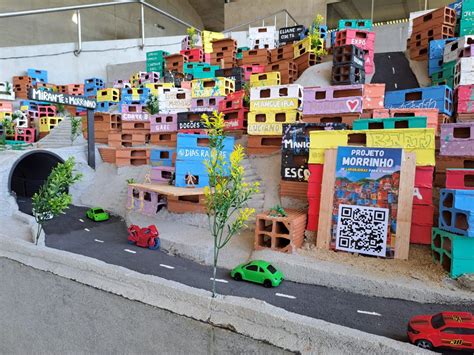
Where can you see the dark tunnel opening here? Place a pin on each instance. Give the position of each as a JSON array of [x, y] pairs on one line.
[[30, 172]]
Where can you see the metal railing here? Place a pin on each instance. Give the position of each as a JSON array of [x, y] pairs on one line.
[[143, 4], [78, 8], [263, 18]]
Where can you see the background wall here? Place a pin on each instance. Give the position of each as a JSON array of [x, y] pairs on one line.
[[106, 23]]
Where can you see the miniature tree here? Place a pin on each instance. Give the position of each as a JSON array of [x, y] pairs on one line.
[[317, 43], [76, 128], [152, 105], [53, 197], [193, 37], [227, 196]]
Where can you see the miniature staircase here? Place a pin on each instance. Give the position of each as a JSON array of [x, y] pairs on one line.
[[257, 201], [59, 136]]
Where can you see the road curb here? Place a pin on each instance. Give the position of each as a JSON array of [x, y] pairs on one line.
[[249, 317], [305, 270]]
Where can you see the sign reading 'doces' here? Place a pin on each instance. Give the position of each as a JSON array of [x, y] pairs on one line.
[[63, 99], [290, 34]]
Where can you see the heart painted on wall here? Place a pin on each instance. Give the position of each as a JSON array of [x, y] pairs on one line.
[[352, 104]]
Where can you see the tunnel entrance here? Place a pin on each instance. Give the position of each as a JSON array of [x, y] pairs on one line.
[[30, 172]]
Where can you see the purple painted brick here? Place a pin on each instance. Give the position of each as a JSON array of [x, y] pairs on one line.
[[164, 122], [206, 103], [333, 99], [132, 108], [160, 174], [144, 201], [457, 139]]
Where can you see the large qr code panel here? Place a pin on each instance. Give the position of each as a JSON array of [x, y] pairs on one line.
[[362, 229]]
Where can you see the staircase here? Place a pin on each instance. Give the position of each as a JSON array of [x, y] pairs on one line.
[[250, 176], [59, 137]]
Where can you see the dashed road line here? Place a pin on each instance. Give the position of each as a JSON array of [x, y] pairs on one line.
[[370, 313], [219, 280], [98, 241], [130, 251], [81, 220], [396, 85], [87, 229], [393, 70], [167, 266], [285, 296]]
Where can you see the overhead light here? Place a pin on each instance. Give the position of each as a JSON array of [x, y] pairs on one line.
[[74, 18]]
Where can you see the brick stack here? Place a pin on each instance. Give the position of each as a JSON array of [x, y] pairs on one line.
[[262, 37], [284, 234], [363, 39], [224, 52], [270, 108], [21, 86], [438, 24], [201, 70], [436, 54], [37, 76], [303, 54], [162, 162], [464, 103], [348, 65], [175, 62], [235, 111], [337, 104], [155, 61], [236, 73]]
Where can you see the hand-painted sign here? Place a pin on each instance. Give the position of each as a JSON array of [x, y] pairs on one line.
[[63, 99], [290, 34]]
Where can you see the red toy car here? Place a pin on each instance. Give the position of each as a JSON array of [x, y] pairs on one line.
[[453, 330], [144, 237]]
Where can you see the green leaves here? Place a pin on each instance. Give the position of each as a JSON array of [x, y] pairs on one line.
[[53, 197], [76, 128]]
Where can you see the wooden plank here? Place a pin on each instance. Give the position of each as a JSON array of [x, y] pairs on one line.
[[405, 204], [170, 190], [327, 199]]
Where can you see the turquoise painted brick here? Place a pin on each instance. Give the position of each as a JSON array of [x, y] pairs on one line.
[[389, 123]]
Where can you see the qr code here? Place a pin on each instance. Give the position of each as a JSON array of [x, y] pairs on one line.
[[362, 230]]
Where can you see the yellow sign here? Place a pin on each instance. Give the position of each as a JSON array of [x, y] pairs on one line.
[[270, 123], [266, 105], [418, 140]]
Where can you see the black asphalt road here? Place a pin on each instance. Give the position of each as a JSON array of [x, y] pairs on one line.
[[393, 70], [107, 241]]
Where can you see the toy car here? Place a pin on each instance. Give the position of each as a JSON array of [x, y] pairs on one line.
[[258, 271], [97, 214], [453, 330], [147, 237]]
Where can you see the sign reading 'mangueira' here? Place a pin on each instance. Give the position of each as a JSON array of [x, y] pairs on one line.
[[63, 99]]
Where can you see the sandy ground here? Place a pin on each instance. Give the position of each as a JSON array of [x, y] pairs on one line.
[[419, 266]]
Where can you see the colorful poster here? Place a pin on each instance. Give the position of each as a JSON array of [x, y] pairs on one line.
[[366, 177]]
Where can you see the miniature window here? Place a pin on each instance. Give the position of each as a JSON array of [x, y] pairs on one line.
[[451, 331], [147, 196], [261, 270], [252, 268], [136, 193]]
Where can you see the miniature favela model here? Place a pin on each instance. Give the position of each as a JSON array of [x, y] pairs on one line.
[[297, 185]]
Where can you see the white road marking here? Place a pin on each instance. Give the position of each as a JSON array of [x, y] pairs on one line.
[[167, 266], [80, 219], [98, 241], [130, 251], [285, 296], [370, 313], [87, 229], [388, 57], [63, 212], [220, 280], [396, 85], [393, 70]]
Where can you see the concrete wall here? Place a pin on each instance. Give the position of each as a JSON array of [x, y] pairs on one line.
[[115, 22], [69, 317], [241, 11], [96, 60]]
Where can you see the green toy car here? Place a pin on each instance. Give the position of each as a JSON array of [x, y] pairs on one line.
[[97, 214], [258, 271]]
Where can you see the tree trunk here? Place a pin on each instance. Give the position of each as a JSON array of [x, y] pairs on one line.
[[216, 257]]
